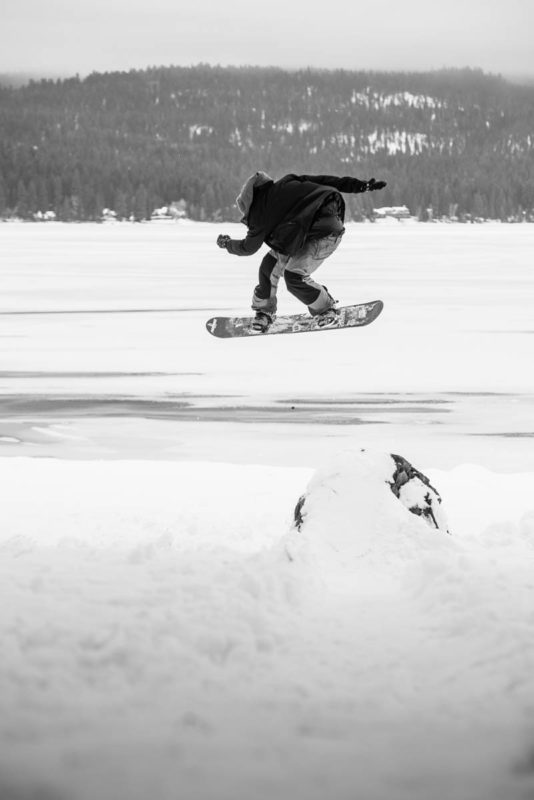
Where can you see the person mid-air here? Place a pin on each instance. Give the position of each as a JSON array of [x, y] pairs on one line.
[[300, 217]]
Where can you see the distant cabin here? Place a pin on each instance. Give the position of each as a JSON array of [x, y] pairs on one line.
[[47, 216], [108, 215], [394, 212], [169, 213]]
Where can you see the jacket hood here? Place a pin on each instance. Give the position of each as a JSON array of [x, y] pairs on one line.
[[245, 196]]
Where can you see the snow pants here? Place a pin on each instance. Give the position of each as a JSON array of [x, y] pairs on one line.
[[297, 271]]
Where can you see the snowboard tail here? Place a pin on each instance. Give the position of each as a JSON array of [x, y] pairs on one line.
[[355, 316]]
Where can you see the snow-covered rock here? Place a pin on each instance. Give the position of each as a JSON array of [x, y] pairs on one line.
[[415, 491], [367, 507]]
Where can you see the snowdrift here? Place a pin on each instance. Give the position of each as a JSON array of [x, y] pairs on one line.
[[366, 508], [157, 641]]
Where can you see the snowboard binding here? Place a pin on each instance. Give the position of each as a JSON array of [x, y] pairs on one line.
[[328, 317], [262, 321]]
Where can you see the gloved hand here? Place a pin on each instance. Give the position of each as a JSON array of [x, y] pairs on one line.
[[373, 186], [223, 240]]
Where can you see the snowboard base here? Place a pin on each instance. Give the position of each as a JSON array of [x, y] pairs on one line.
[[349, 317]]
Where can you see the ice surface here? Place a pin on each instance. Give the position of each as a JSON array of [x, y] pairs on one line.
[[102, 333]]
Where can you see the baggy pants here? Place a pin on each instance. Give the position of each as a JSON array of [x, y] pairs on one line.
[[297, 271]]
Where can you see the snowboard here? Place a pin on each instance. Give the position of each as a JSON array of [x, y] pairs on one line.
[[348, 317]]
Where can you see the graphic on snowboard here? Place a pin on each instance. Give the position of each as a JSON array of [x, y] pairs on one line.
[[355, 316]]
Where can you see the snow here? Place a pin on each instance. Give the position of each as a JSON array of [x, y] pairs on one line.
[[353, 522], [410, 99], [198, 130], [156, 635], [103, 331], [378, 100], [395, 141], [165, 631]]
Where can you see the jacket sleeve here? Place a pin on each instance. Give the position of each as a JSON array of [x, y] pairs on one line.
[[348, 185], [249, 245]]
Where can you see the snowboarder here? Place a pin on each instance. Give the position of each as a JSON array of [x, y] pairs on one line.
[[301, 218]]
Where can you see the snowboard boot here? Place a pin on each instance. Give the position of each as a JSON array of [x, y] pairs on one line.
[[262, 321], [327, 315]]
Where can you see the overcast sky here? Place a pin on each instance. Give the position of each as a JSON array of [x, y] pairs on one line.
[[69, 36]]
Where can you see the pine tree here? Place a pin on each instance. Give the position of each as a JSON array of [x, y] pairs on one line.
[[31, 199], [21, 204], [3, 198], [199, 131], [57, 193], [140, 205], [120, 204], [77, 208], [479, 209], [42, 195]]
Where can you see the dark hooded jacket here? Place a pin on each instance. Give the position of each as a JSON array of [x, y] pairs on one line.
[[284, 213]]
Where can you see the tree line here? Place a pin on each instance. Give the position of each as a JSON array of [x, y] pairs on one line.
[[449, 143]]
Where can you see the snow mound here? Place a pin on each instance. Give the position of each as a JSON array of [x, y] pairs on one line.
[[369, 507]]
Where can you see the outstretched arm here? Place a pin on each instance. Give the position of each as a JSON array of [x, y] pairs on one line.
[[346, 184]]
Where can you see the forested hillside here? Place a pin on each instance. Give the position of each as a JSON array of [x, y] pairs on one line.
[[457, 142]]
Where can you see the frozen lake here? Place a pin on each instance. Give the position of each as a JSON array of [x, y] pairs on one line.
[[163, 629], [104, 353]]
